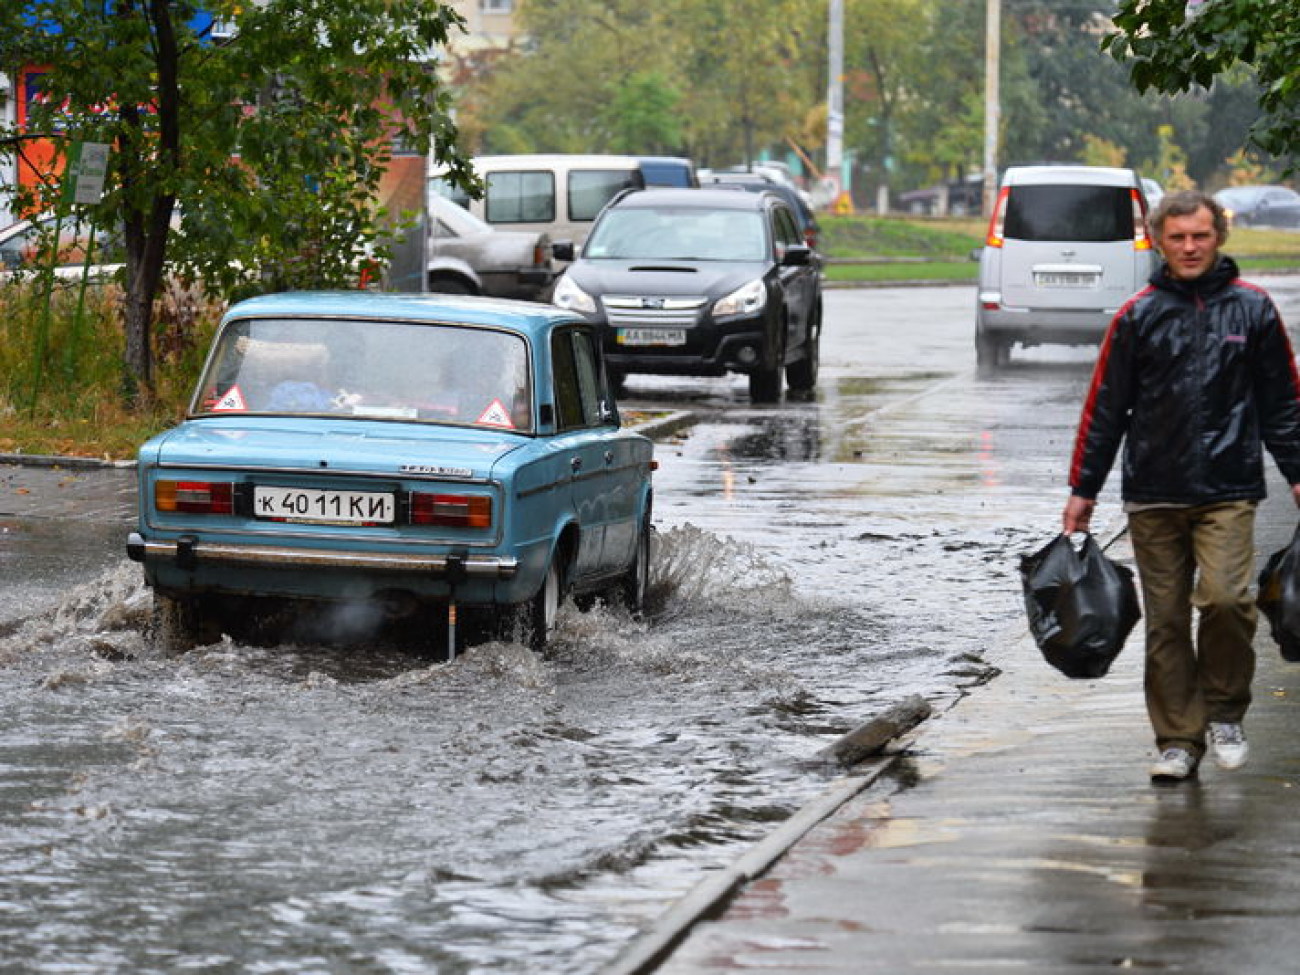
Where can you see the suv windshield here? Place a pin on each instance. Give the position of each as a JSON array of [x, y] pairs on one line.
[[678, 233], [385, 370], [1069, 212]]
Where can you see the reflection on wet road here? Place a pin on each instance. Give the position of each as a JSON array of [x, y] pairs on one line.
[[360, 809]]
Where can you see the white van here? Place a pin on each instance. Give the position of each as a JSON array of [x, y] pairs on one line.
[[1066, 247], [559, 194]]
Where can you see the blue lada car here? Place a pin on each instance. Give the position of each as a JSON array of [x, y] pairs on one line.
[[408, 453]]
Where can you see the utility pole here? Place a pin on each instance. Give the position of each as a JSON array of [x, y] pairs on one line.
[[992, 99], [835, 99]]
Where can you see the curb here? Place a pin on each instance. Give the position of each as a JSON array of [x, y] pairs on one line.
[[56, 460], [709, 897], [662, 427]]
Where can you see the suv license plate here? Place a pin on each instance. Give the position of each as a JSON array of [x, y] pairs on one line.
[[1064, 279], [652, 336], [324, 507]]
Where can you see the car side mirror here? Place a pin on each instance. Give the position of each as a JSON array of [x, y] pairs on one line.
[[797, 255], [562, 250]]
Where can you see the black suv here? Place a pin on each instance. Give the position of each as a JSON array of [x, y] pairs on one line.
[[701, 282]]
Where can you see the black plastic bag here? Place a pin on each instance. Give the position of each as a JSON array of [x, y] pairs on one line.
[[1081, 605], [1279, 597]]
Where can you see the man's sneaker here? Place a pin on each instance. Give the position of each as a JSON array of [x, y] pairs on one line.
[[1228, 742], [1175, 764]]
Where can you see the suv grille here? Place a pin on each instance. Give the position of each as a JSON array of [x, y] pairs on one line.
[[646, 310]]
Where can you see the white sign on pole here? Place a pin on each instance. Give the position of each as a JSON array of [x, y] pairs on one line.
[[87, 168]]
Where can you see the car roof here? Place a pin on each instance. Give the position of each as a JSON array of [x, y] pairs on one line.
[[703, 198], [522, 316], [1086, 175]]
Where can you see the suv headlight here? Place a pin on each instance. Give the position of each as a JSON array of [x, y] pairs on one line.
[[569, 296], [745, 300]]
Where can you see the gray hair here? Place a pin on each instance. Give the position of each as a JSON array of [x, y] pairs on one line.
[[1183, 204]]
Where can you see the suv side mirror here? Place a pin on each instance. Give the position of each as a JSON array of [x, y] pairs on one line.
[[796, 255]]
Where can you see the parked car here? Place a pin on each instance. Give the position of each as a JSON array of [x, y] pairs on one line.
[[809, 229], [1066, 247], [25, 247], [553, 193], [1153, 191], [668, 171], [701, 283], [958, 198], [1261, 206], [398, 452], [466, 256]]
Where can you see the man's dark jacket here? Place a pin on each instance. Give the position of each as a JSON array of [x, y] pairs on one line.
[[1192, 376]]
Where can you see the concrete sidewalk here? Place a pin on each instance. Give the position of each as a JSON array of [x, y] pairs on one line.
[[1028, 838]]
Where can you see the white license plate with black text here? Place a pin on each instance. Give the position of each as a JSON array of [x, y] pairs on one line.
[[324, 507], [652, 336], [1066, 279]]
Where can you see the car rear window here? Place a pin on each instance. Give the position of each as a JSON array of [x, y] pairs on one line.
[[371, 370], [1069, 212]]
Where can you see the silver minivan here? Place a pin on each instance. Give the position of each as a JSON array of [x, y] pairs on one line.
[[1066, 247]]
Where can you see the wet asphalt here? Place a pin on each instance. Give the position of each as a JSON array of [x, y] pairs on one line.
[[1019, 832]]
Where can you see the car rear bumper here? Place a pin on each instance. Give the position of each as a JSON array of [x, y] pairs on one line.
[[1046, 326], [188, 552]]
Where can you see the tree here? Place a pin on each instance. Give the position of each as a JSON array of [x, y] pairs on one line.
[[268, 142], [1177, 45]]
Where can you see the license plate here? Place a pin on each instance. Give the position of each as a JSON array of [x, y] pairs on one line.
[[651, 336], [324, 507], [1064, 279]]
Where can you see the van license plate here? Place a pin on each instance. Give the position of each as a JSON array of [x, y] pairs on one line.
[[1065, 279], [652, 336]]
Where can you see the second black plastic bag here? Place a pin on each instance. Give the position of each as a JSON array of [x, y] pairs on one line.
[[1279, 597], [1081, 605]]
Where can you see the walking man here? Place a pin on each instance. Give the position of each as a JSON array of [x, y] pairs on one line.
[[1195, 372]]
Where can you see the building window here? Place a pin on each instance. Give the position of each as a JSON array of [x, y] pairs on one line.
[[496, 6]]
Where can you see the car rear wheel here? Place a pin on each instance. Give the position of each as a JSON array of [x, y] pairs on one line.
[[632, 588], [532, 623], [801, 376], [178, 624], [991, 353], [449, 284]]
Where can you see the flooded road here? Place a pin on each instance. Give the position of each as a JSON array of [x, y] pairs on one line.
[[318, 809]]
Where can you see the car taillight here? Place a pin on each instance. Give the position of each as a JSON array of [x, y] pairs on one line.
[[998, 219], [1141, 240], [539, 254], [195, 497], [451, 510]]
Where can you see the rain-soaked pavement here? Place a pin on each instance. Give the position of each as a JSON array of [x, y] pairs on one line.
[[314, 809]]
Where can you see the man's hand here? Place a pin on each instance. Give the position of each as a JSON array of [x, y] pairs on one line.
[[1078, 513], [1295, 494]]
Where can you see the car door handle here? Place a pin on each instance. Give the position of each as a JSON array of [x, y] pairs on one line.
[[609, 457], [575, 464]]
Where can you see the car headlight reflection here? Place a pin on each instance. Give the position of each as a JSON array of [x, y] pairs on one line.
[[745, 300], [572, 298]]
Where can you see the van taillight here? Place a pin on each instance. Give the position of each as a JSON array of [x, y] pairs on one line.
[[998, 220], [195, 497], [451, 510], [1141, 239]]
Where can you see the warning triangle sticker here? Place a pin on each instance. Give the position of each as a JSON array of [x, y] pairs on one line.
[[496, 415], [232, 401]]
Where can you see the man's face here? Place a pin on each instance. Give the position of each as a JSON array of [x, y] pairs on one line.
[[1189, 244]]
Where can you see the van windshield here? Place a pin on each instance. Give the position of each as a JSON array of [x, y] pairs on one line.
[[1069, 212]]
